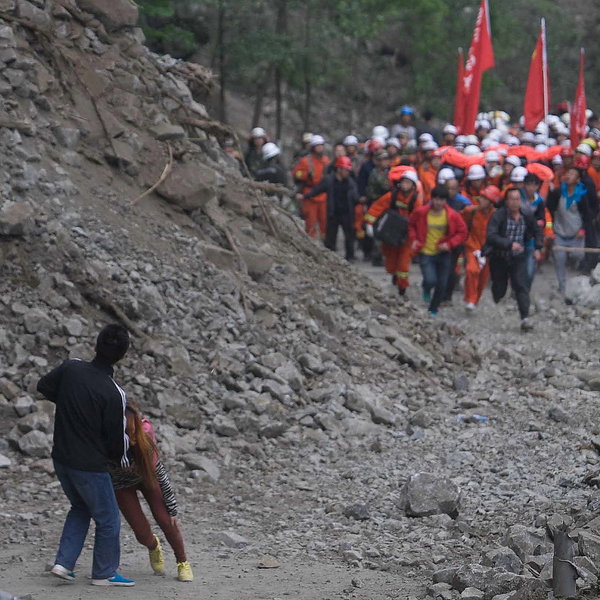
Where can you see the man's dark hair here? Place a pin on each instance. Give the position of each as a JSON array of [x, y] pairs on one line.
[[440, 191], [427, 114], [112, 343], [512, 189], [532, 178]]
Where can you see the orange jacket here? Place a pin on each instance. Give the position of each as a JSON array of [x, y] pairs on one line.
[[477, 222], [427, 176], [310, 170], [403, 204]]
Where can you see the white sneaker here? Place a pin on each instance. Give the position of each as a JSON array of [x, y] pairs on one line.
[[470, 307]]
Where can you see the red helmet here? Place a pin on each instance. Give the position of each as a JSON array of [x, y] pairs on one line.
[[373, 145], [344, 162], [566, 152], [492, 193], [582, 162]]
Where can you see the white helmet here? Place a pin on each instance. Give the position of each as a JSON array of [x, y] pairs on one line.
[[513, 140], [269, 150], [317, 140], [492, 156], [380, 131], [461, 139], [513, 160], [541, 148], [412, 175], [393, 141], [518, 174], [379, 139], [484, 123], [566, 118], [528, 136], [472, 150], [425, 137], [584, 149], [445, 174], [350, 140], [258, 132], [449, 128], [472, 139], [429, 145], [488, 142], [557, 159], [540, 138], [475, 173]]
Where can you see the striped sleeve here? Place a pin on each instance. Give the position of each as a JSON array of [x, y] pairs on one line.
[[167, 491], [124, 458]]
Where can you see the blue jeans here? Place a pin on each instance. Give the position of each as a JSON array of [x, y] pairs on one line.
[[530, 264], [92, 497], [435, 270]]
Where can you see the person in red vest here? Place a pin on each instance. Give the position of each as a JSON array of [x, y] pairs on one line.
[[434, 230], [308, 173], [405, 198], [477, 271]]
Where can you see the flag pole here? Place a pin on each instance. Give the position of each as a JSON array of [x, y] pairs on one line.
[[545, 69]]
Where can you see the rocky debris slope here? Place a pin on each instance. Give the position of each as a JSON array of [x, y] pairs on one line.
[[272, 370]]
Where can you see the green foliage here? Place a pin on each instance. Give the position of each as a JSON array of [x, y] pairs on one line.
[[402, 50]]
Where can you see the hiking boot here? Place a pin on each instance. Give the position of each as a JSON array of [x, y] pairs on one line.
[[469, 307]]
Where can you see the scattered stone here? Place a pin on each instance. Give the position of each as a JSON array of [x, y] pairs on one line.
[[5, 462], [232, 539], [358, 512], [425, 494], [35, 443], [16, 219]]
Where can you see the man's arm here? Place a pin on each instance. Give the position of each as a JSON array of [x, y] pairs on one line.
[[494, 237], [113, 427], [48, 384]]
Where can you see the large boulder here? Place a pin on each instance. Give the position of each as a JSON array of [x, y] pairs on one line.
[[577, 289], [525, 541], [113, 14], [190, 185], [425, 494], [16, 219]]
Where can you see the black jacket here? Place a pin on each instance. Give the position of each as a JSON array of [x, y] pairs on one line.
[[327, 185], [273, 172], [89, 427], [497, 241]]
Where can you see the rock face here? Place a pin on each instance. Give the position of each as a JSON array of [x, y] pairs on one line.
[[424, 495], [113, 14], [16, 219]]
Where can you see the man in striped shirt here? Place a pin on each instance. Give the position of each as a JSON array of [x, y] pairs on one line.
[[90, 437]]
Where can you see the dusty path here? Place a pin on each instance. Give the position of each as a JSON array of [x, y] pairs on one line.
[[288, 501]]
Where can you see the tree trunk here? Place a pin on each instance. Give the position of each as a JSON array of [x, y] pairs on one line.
[[281, 30], [261, 90], [222, 60], [307, 67]]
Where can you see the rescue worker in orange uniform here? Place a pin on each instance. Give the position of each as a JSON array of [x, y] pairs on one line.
[[477, 270], [404, 197], [476, 176], [308, 173]]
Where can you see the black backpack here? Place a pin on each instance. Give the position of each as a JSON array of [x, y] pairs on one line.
[[392, 228]]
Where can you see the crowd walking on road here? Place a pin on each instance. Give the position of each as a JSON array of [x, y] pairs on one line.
[[493, 205]]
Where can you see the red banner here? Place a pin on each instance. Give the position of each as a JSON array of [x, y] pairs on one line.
[[578, 108], [459, 101], [480, 59], [537, 93]]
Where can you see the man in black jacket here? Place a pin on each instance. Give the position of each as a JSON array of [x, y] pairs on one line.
[[508, 232], [89, 437], [342, 197]]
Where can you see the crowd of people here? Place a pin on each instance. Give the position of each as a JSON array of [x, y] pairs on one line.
[[494, 204]]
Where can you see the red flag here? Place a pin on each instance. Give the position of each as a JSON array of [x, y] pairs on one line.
[[537, 93], [480, 58], [459, 101], [578, 108]]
